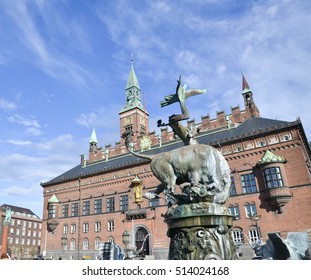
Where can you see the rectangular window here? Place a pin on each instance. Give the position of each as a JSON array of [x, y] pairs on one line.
[[72, 244], [232, 189], [237, 236], [248, 183], [97, 226], [110, 225], [65, 210], [98, 206], [85, 227], [253, 235], [65, 229], [124, 202], [250, 210], [235, 211], [73, 228], [273, 177], [52, 210], [110, 204], [97, 242], [86, 207], [75, 209]]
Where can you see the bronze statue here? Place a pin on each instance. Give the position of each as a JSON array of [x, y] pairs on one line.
[[198, 222], [185, 134]]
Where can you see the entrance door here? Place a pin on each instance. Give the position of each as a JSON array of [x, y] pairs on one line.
[[142, 241]]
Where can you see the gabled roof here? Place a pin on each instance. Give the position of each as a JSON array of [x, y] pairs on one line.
[[249, 128]]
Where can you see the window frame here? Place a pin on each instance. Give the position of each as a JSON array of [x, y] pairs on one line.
[[248, 183]]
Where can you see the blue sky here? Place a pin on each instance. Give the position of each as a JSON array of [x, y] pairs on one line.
[[64, 66]]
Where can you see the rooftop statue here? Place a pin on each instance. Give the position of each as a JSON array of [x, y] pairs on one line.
[[8, 212], [185, 134]]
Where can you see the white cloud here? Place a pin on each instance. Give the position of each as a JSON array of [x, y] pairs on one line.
[[30, 122], [19, 142], [87, 119], [45, 49], [7, 105]]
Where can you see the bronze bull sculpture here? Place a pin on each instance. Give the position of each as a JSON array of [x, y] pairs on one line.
[[197, 169]]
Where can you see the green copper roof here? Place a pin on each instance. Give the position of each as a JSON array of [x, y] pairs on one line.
[[136, 179], [53, 199], [93, 138], [270, 157], [133, 96], [132, 79], [245, 86]]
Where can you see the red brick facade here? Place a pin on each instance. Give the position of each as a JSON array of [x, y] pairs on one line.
[[96, 200]]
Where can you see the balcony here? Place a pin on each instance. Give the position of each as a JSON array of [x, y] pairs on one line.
[[52, 224], [279, 197], [136, 214]]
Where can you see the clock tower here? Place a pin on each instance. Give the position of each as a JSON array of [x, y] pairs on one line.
[[133, 116]]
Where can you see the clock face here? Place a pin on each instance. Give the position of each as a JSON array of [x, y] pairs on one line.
[[142, 120], [128, 120]]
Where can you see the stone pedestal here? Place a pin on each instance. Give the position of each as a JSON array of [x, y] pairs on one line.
[[200, 231], [5, 235]]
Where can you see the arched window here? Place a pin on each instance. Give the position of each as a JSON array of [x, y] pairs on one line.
[[237, 235], [97, 242], [85, 244], [232, 189], [250, 210], [72, 244], [235, 211], [253, 234]]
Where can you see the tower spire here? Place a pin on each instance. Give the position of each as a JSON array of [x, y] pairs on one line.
[[245, 86], [249, 102], [133, 115], [93, 141]]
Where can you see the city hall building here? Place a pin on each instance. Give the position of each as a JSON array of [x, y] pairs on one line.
[[101, 198]]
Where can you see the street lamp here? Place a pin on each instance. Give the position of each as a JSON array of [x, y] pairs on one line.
[[126, 241], [64, 242], [256, 219]]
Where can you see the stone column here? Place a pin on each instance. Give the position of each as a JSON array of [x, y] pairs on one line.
[[5, 234]]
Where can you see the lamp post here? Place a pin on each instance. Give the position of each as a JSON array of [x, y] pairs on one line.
[[126, 242], [256, 218], [64, 242]]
